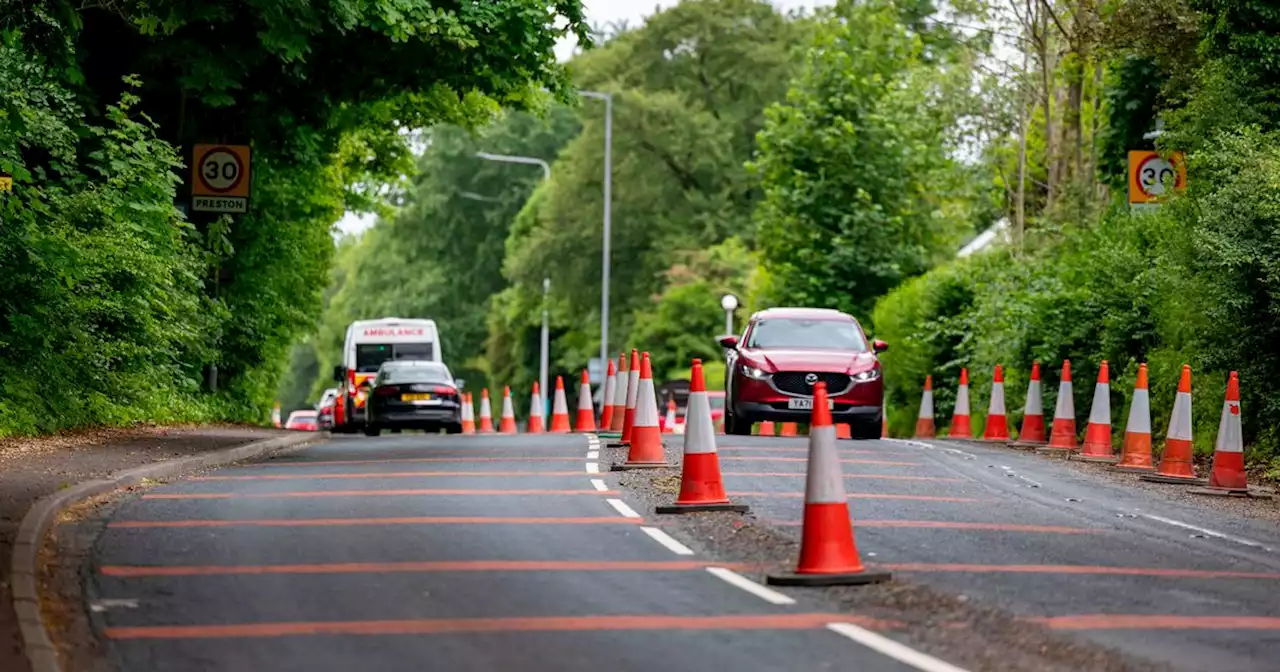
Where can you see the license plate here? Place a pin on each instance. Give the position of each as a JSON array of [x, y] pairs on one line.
[[805, 404], [415, 397]]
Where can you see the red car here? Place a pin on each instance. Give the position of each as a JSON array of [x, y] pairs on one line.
[[770, 373], [304, 421]]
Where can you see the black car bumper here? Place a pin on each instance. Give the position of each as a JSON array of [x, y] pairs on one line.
[[840, 414], [418, 418]]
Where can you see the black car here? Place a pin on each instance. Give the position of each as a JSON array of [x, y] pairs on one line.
[[407, 394]]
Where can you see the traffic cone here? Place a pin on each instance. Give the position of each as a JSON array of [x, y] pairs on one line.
[[767, 428], [620, 395], [828, 554], [997, 428], [1135, 455], [606, 399], [1032, 432], [884, 421], [536, 424], [960, 428], [559, 410], [633, 388], [701, 486], [924, 419], [507, 424], [1063, 436], [669, 422], [646, 439], [486, 412], [275, 415], [586, 410], [1097, 435], [1175, 462], [1228, 476], [788, 429], [844, 431], [468, 415]]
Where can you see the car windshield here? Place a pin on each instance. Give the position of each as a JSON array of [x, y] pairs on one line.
[[369, 356], [413, 372], [809, 334]]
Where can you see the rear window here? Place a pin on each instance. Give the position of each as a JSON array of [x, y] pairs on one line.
[[807, 334], [369, 356], [414, 373]]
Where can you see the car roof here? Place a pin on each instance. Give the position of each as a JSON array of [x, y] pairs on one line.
[[407, 363], [803, 313], [301, 414]]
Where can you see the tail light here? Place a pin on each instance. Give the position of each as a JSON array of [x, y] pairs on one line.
[[386, 390], [445, 390]]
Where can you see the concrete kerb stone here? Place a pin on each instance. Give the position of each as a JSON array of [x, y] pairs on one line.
[[25, 563]]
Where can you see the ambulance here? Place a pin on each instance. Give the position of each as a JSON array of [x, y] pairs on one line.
[[369, 343]]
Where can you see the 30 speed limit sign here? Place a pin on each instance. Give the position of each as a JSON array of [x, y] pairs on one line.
[[220, 178], [1151, 176]]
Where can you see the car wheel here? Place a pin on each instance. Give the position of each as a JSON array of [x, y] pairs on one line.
[[735, 426], [372, 431], [453, 429], [865, 431]]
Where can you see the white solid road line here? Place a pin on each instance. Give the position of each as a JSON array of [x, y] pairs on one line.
[[1207, 532], [598, 484], [733, 578], [888, 647], [666, 540], [621, 507], [593, 468], [593, 454]]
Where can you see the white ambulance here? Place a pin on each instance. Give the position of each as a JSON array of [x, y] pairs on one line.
[[369, 343]]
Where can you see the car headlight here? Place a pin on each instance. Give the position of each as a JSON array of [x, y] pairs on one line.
[[753, 372], [866, 376]]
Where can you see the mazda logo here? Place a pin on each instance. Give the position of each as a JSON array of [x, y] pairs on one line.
[[811, 378]]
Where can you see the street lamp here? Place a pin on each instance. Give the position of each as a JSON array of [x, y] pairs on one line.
[[730, 303], [608, 223]]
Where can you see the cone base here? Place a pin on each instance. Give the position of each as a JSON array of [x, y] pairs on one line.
[[1129, 469], [698, 508], [1228, 492], [616, 444], [1053, 450], [1093, 458], [1028, 445], [1176, 480], [628, 466], [858, 579]]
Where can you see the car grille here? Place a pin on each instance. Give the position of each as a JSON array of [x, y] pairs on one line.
[[792, 382]]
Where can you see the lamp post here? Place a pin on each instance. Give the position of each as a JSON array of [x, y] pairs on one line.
[[608, 222], [730, 303]]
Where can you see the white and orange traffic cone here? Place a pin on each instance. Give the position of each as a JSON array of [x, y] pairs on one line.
[[669, 420], [767, 428], [620, 392], [788, 429], [924, 419], [559, 410], [828, 553], [536, 424], [586, 410], [1063, 435], [997, 428], [486, 413], [884, 421], [646, 450], [275, 415], [1135, 454], [633, 389], [606, 399], [1032, 432], [1228, 476], [960, 425], [1097, 435], [507, 423], [844, 431], [1175, 461], [468, 415], [701, 486]]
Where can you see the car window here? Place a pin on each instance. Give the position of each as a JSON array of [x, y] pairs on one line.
[[800, 333], [414, 373]]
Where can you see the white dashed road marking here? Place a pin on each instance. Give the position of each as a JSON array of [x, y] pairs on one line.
[[666, 540], [735, 579], [593, 468], [598, 484], [622, 508], [892, 649]]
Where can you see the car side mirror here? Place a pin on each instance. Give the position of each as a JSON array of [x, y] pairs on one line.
[[729, 341], [339, 373], [879, 345]]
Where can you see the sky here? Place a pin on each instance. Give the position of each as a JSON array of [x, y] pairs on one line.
[[599, 12]]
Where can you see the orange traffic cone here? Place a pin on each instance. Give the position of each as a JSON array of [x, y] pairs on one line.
[[486, 412], [620, 392], [960, 428], [844, 431], [924, 419], [468, 415], [1135, 455], [1175, 462], [559, 410], [1097, 435], [646, 439], [606, 399], [669, 421], [767, 428], [1228, 477], [633, 388], [997, 423], [586, 411], [536, 424], [788, 429], [701, 486], [1032, 432], [884, 421], [507, 425], [828, 554], [1063, 436]]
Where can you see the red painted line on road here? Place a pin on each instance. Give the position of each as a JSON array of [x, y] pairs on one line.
[[370, 493], [859, 495], [1158, 622], [418, 520], [884, 477], [950, 525], [440, 626], [417, 567], [381, 474], [408, 460], [805, 459], [1084, 569]]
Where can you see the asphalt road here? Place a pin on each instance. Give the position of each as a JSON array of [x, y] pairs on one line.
[[447, 553], [1191, 583]]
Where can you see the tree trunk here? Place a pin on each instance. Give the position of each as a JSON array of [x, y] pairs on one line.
[[1020, 197]]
